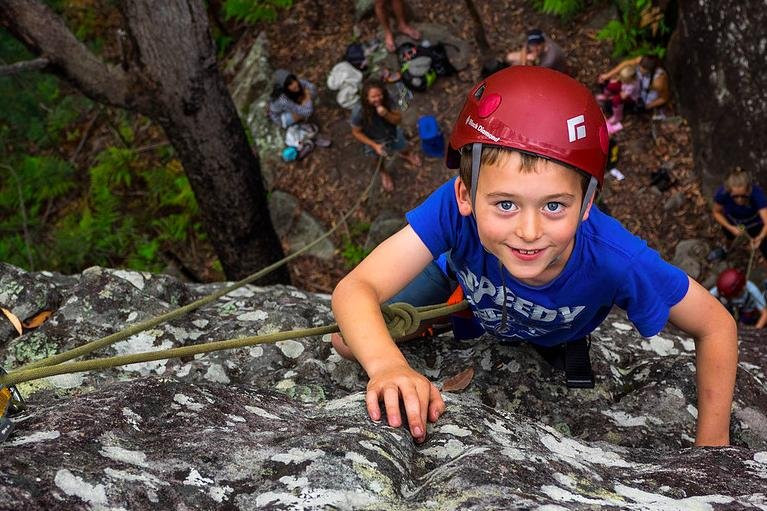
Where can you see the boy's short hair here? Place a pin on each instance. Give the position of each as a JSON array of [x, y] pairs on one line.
[[493, 154]]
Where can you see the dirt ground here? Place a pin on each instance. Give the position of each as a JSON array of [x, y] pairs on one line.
[[330, 180]]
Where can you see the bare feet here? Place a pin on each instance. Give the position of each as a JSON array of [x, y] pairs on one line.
[[389, 42], [410, 32], [387, 183], [412, 159]]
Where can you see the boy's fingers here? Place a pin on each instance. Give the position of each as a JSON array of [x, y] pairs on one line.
[[414, 404], [391, 401], [436, 403], [374, 409]]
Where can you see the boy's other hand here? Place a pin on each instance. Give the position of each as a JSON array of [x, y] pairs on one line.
[[420, 397]]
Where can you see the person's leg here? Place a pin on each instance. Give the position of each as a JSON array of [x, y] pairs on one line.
[[430, 287], [399, 146], [287, 119], [398, 6], [387, 183], [382, 13]]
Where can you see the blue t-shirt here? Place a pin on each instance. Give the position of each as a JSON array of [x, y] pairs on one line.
[[608, 266], [746, 214]]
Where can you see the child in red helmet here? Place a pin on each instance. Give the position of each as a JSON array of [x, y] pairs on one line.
[[537, 261], [741, 297]]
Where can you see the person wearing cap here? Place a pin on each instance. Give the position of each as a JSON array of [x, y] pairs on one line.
[[539, 50], [742, 298], [292, 99], [537, 261]]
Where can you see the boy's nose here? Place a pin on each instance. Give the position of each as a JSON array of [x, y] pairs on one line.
[[529, 226]]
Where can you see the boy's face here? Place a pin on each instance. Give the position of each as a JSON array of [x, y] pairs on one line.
[[527, 219]]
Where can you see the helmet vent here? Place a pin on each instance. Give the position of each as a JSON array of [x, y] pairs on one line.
[[481, 90]]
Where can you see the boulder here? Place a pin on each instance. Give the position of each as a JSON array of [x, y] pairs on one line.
[[251, 87], [716, 59], [283, 426], [297, 227]]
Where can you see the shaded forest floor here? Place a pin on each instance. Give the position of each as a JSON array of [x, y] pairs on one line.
[[330, 180]]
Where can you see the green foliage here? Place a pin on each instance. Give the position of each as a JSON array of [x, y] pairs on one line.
[[33, 112], [29, 187], [565, 9], [253, 11], [353, 251], [631, 34]]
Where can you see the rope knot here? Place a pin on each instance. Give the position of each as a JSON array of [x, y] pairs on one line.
[[402, 319]]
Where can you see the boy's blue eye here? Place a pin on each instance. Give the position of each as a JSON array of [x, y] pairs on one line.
[[505, 205], [554, 207]]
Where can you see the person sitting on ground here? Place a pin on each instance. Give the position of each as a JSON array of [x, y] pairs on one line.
[[375, 122], [539, 50], [537, 261], [617, 93], [741, 297], [398, 7], [740, 207], [652, 80], [292, 99]]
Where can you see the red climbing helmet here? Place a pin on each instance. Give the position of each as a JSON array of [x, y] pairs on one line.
[[730, 282], [536, 110]]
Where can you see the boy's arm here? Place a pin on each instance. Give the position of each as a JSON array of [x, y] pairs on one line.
[[356, 305], [716, 359]]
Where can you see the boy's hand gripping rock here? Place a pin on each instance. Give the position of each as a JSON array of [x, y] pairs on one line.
[[420, 397]]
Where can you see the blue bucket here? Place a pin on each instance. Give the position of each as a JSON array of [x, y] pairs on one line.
[[432, 139]]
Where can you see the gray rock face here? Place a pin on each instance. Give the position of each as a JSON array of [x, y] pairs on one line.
[[717, 59], [284, 426]]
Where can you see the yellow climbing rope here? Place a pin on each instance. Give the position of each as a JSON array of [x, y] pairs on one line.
[[402, 319]]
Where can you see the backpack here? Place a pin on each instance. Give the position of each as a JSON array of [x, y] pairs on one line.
[[355, 55], [439, 59], [416, 70]]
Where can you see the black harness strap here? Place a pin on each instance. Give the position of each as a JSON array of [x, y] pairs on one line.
[[578, 364], [572, 357]]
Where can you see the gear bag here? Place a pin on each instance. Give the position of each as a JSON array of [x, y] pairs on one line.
[[416, 67]]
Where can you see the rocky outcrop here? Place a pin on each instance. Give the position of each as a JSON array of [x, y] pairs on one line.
[[284, 426], [717, 59]]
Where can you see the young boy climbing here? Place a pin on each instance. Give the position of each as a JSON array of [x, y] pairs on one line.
[[536, 260]]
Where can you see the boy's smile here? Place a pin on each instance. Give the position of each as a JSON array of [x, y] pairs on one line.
[[526, 218]]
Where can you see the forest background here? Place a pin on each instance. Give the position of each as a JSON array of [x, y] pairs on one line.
[[84, 183]]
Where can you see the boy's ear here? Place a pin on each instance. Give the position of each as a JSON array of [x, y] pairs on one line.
[[462, 197]]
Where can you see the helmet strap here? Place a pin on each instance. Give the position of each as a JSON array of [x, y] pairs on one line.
[[476, 156], [590, 190]]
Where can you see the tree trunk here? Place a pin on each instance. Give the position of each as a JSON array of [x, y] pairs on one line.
[[717, 59], [170, 75]]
